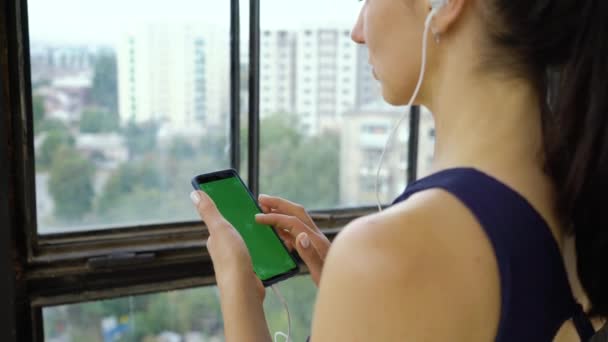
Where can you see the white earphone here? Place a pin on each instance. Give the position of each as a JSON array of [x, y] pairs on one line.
[[436, 5]]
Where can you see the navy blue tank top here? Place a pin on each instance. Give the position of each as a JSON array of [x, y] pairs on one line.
[[536, 298]]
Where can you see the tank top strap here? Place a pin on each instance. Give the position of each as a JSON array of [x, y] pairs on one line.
[[535, 291]]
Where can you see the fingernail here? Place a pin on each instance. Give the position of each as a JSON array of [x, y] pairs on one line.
[[305, 241], [195, 197]]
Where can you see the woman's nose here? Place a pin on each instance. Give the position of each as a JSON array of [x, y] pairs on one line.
[[357, 33]]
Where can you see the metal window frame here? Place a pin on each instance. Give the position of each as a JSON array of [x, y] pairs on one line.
[[412, 153], [253, 163], [62, 246], [122, 261]]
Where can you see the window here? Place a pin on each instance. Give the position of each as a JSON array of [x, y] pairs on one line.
[[148, 161], [191, 315], [107, 240], [338, 128]]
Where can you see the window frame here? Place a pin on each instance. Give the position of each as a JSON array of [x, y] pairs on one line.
[[74, 267]]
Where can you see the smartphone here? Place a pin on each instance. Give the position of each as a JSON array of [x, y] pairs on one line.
[[272, 261]]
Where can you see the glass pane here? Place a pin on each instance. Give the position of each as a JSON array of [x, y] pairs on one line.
[[324, 123], [183, 316], [131, 100]]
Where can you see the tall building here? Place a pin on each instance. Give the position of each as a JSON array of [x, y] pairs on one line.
[[50, 61], [175, 74], [326, 77], [368, 88], [277, 73], [365, 132], [311, 72]]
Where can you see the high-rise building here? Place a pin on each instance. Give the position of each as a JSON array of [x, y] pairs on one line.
[[310, 72], [365, 132], [175, 74], [277, 73], [326, 77], [368, 88]]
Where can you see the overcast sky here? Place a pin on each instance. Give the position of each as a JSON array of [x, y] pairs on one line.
[[103, 21]]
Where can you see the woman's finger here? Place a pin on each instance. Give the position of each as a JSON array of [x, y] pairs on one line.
[[207, 210], [283, 223], [292, 226], [284, 206], [310, 256], [285, 236], [288, 245], [265, 209]]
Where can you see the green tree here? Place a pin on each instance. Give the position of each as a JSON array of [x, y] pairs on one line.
[[38, 109], [104, 91], [98, 121], [216, 147], [53, 141], [302, 169], [141, 138], [280, 129], [134, 187], [181, 148], [70, 185], [48, 125]]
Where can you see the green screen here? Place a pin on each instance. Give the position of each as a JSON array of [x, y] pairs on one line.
[[270, 258]]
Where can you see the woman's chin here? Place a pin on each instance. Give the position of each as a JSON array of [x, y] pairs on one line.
[[392, 98], [398, 98]]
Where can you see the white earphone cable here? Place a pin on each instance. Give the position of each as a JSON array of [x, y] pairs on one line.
[[427, 26], [287, 336]]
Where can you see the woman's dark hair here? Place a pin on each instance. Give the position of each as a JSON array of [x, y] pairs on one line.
[[562, 46]]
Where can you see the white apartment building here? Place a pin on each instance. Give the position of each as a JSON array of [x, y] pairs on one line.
[[326, 77], [176, 74], [368, 88], [364, 134], [277, 72], [50, 62], [311, 72]]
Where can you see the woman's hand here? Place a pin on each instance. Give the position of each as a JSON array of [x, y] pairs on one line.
[[241, 291], [230, 256], [297, 230]]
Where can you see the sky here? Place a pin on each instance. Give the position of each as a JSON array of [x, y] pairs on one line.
[[104, 21]]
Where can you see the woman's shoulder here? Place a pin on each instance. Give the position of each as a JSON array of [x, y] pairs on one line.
[[424, 256], [429, 217]]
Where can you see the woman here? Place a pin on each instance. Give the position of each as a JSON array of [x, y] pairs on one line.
[[474, 251]]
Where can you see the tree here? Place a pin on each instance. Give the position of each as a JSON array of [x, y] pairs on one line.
[[280, 129], [132, 190], [105, 87], [98, 121], [70, 185], [181, 148], [48, 125], [302, 169], [217, 148], [53, 141], [141, 138], [38, 109]]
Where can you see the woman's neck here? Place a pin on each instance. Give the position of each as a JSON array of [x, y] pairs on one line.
[[485, 122]]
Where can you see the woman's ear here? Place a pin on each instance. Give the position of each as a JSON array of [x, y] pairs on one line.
[[446, 15]]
